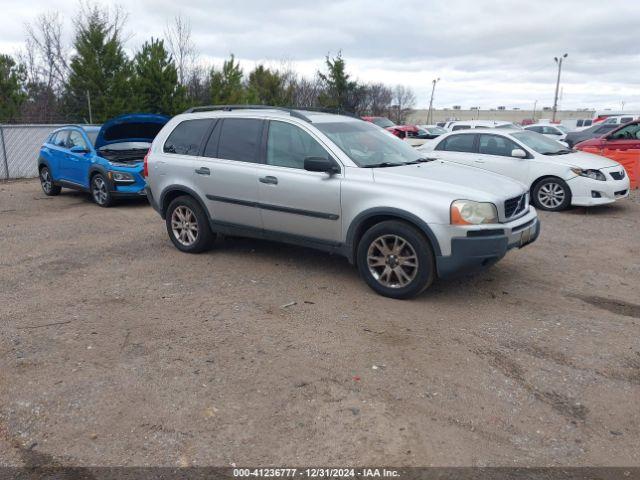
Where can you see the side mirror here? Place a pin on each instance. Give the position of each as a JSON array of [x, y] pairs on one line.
[[518, 153], [321, 164], [78, 149]]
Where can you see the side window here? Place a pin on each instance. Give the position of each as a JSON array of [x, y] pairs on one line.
[[60, 139], [630, 132], [187, 137], [579, 123], [457, 143], [535, 129], [624, 120], [288, 145], [75, 140], [240, 139], [460, 127], [495, 145], [550, 131], [588, 123]]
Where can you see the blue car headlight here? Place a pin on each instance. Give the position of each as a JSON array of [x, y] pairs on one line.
[[121, 177]]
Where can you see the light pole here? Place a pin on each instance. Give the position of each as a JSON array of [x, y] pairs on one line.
[[430, 113], [533, 116], [555, 99]]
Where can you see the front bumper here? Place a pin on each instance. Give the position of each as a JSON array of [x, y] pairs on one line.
[[479, 251], [609, 191]]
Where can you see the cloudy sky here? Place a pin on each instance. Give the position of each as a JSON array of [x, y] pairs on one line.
[[487, 53]]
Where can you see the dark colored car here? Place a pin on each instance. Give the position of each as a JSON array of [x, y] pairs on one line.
[[594, 131], [107, 162]]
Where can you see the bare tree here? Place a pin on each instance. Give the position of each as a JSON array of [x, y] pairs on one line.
[[306, 92], [403, 102], [46, 54], [181, 47], [378, 98]]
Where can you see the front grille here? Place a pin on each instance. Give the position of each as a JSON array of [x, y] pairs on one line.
[[515, 205], [617, 175]]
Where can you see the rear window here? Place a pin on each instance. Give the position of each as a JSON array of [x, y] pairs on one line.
[[460, 127], [240, 139], [187, 137], [457, 143]]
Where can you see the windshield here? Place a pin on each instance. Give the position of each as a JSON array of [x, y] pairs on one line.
[[383, 122], [540, 143], [369, 146]]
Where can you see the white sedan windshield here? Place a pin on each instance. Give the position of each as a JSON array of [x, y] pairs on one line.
[[540, 143]]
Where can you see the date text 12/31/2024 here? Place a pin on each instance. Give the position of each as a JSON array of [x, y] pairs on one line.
[[316, 472]]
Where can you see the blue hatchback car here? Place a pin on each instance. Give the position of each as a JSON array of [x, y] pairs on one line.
[[105, 161]]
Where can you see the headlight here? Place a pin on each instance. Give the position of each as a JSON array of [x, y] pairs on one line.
[[592, 174], [121, 177], [468, 212]]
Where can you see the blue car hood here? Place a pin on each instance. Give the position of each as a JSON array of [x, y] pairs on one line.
[[133, 127]]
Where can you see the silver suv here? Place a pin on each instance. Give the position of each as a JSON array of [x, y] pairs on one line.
[[334, 183]]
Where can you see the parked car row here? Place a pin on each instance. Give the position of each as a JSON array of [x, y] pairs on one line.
[[404, 216]]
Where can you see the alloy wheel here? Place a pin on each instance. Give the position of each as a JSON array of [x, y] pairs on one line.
[[392, 261], [551, 195], [45, 180], [99, 190], [184, 225]]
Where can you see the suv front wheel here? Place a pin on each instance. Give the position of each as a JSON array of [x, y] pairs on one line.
[[188, 226], [395, 260]]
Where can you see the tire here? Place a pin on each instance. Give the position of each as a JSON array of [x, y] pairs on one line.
[[188, 225], [384, 271], [46, 182], [100, 192], [551, 194]]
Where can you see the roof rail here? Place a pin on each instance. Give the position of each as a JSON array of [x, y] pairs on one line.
[[228, 108]]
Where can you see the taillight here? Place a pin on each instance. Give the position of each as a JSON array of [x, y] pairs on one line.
[[145, 168]]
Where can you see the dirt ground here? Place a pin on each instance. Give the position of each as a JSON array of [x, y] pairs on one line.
[[117, 349]]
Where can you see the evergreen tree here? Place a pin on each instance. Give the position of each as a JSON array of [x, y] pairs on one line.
[[268, 87], [12, 94], [226, 84], [155, 84], [340, 92], [99, 69]]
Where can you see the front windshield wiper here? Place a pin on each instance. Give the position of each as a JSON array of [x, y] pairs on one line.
[[564, 151], [420, 160], [384, 164]]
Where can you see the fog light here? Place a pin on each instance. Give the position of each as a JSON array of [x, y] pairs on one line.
[[595, 194]]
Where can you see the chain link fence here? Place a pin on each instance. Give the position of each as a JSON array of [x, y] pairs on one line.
[[19, 149]]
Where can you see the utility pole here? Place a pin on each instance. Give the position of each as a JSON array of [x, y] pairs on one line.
[[555, 99], [533, 115], [89, 105], [622, 105], [430, 113]]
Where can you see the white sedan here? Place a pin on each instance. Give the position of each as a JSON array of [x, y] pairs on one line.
[[557, 176], [554, 132]]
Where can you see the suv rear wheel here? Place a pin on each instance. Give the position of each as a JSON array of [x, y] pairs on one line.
[[188, 226], [395, 260]]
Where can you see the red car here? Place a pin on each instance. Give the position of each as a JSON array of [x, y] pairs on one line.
[[621, 145], [401, 131]]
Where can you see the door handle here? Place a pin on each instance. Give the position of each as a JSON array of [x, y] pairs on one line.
[[269, 180], [203, 171]]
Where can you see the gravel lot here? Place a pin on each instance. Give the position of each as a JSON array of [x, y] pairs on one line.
[[117, 349]]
